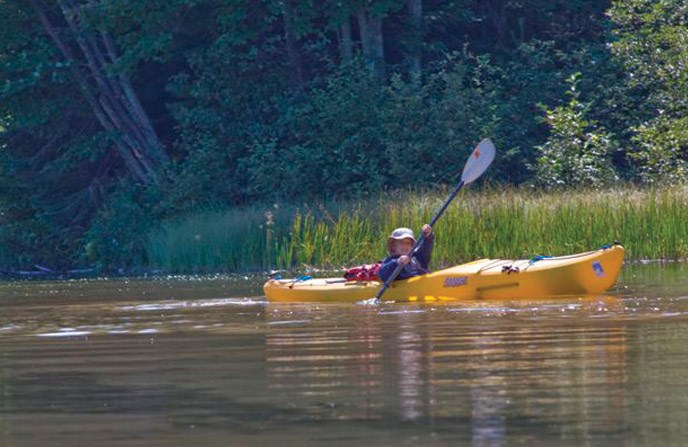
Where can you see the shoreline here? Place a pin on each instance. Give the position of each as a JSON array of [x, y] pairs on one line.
[[508, 223]]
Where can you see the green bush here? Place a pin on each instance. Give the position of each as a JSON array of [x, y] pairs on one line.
[[578, 152], [118, 236]]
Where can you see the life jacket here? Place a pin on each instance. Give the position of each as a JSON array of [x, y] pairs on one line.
[[365, 272]]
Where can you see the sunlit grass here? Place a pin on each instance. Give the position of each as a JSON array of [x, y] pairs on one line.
[[500, 223]]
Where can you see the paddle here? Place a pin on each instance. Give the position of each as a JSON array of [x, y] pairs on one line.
[[479, 160]]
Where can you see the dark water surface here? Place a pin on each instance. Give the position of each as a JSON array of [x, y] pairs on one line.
[[207, 362]]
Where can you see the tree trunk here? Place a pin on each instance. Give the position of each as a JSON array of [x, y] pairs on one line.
[[293, 52], [498, 16], [372, 42], [415, 8], [378, 47], [346, 46], [111, 97], [364, 33]]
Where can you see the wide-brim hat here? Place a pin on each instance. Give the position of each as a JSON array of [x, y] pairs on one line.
[[400, 234]]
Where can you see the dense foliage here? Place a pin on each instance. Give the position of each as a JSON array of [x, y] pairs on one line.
[[118, 114]]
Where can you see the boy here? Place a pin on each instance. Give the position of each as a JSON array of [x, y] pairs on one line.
[[399, 245]]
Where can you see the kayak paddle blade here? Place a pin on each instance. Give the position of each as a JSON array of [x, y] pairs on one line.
[[479, 161]]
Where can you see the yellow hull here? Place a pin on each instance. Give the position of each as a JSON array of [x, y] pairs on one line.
[[489, 279]]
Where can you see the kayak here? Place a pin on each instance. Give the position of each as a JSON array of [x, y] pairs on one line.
[[485, 279]]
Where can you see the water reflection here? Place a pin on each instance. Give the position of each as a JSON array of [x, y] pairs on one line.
[[507, 369]]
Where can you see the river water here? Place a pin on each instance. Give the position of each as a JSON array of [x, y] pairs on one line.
[[208, 362]]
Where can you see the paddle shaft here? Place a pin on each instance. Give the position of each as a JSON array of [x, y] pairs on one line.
[[418, 244]]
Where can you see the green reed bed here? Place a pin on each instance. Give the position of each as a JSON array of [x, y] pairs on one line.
[[510, 223]]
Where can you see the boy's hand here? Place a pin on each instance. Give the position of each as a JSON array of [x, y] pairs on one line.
[[427, 230], [404, 259]]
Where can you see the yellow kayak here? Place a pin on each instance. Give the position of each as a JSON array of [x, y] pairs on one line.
[[579, 274]]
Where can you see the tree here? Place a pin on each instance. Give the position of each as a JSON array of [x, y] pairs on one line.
[[652, 42], [415, 57], [372, 40], [91, 54], [74, 125], [578, 151]]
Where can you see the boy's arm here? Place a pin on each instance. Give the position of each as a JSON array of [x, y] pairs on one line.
[[424, 255]]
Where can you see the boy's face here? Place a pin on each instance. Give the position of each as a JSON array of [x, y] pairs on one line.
[[402, 247]]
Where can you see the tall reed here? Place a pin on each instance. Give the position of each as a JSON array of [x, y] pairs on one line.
[[502, 223]]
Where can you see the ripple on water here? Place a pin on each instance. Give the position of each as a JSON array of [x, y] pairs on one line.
[[170, 305], [287, 322], [65, 332]]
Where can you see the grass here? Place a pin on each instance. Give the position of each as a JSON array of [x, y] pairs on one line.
[[499, 223]]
